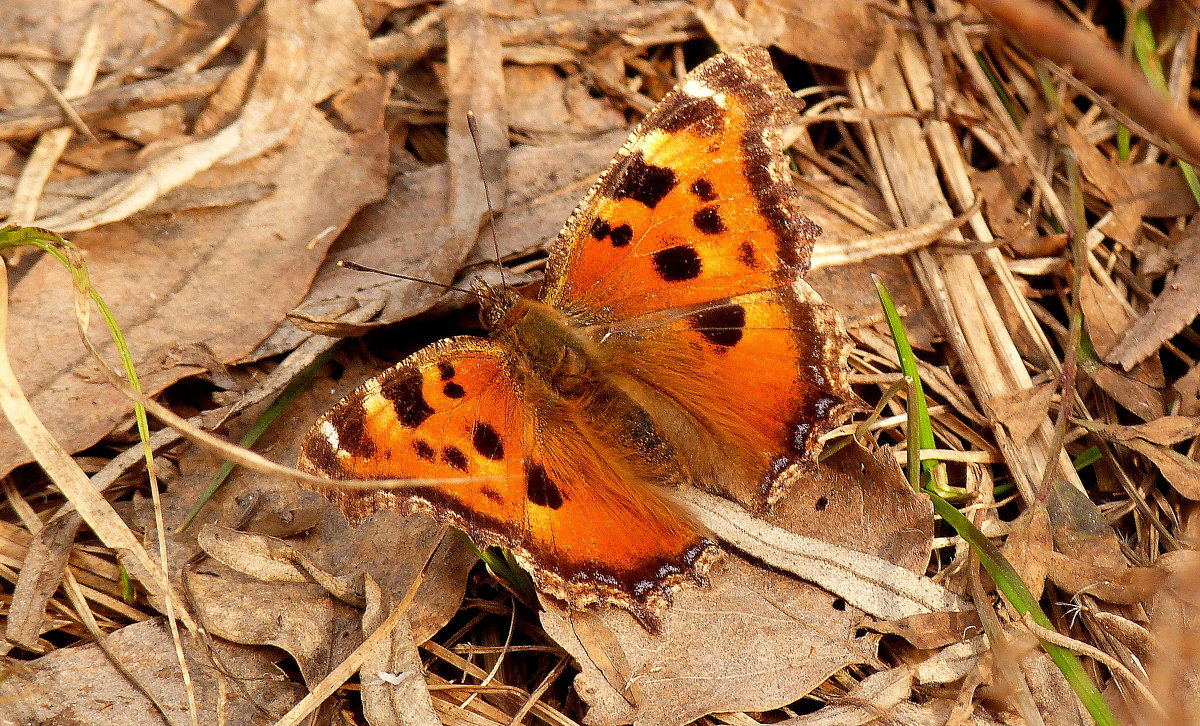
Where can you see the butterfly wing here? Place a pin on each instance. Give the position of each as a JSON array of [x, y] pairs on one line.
[[518, 476], [685, 257]]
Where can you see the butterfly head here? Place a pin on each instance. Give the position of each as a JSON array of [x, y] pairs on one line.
[[499, 305]]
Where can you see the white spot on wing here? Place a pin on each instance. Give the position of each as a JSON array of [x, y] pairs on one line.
[[697, 89], [331, 435]]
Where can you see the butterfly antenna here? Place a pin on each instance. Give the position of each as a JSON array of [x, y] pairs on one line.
[[347, 264], [473, 127]]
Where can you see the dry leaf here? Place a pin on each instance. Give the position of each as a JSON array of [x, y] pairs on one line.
[[1152, 441], [185, 280], [846, 35], [1029, 548], [782, 625], [928, 631], [1174, 308], [789, 637], [1175, 668], [1107, 320], [1023, 411], [315, 628], [1121, 585], [80, 686], [402, 699]]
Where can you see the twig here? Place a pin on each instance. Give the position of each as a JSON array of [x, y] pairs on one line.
[[1047, 33]]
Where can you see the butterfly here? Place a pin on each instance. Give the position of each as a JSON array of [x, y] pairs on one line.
[[672, 343]]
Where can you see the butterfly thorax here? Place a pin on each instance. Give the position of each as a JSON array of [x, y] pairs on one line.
[[547, 349]]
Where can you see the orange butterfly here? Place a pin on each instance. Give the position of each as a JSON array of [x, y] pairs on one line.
[[672, 344]]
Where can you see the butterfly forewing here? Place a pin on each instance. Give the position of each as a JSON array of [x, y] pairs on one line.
[[696, 207]]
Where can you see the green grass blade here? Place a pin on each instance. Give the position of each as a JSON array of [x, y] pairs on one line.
[[1009, 582]]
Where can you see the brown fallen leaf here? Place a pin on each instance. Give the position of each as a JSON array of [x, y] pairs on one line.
[[316, 629], [1023, 411], [79, 685], [1153, 440], [779, 639], [1161, 188], [1134, 396], [1112, 185], [1174, 308], [1107, 319], [845, 35], [1029, 548], [1175, 667], [1121, 585], [927, 631], [400, 232], [1000, 188]]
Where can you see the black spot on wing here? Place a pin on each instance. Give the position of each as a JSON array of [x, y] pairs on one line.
[[644, 182], [708, 220], [599, 229], [540, 489], [454, 456], [424, 450], [700, 115], [813, 415], [453, 390], [445, 370], [352, 438], [487, 442], [621, 235], [703, 189], [678, 263], [723, 326], [404, 391], [492, 494], [747, 256]]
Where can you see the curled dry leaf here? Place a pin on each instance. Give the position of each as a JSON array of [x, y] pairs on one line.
[[315, 628], [385, 701], [273, 560], [1175, 307], [1153, 440], [1023, 411]]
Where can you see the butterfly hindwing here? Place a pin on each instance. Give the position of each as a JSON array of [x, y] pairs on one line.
[[510, 476]]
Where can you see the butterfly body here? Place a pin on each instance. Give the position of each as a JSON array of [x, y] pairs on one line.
[[672, 344]]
